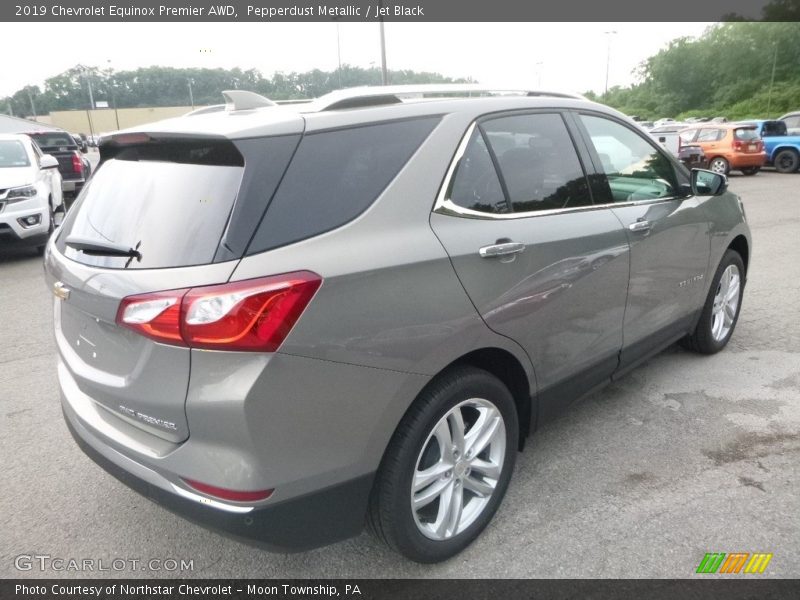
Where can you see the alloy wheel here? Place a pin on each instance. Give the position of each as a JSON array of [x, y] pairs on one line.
[[726, 303], [458, 468]]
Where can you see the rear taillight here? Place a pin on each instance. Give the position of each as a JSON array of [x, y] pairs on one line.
[[254, 315], [77, 163]]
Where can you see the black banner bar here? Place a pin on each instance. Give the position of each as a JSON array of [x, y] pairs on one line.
[[393, 10], [703, 587]]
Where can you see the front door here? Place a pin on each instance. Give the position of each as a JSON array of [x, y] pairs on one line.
[[667, 230]]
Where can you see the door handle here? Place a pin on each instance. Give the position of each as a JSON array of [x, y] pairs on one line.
[[640, 226], [501, 249]]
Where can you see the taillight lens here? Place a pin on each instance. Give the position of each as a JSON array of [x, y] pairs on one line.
[[77, 163], [226, 494], [246, 315], [254, 315], [155, 315]]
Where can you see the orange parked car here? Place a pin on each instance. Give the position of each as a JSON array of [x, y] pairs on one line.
[[727, 146]]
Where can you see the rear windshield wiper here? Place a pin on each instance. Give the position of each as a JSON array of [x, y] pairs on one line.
[[101, 248]]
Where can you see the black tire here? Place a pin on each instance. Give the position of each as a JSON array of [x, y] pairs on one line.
[[720, 165], [702, 340], [390, 516], [787, 161], [751, 170], [40, 249]]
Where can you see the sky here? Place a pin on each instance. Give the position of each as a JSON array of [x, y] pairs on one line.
[[553, 56]]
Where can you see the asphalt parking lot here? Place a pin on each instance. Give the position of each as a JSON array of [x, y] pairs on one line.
[[684, 456]]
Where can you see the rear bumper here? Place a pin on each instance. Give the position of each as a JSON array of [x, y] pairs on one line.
[[748, 160], [302, 523]]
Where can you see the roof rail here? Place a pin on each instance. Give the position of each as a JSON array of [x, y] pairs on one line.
[[244, 100], [393, 94]]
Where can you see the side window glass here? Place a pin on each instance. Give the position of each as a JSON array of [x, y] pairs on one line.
[[537, 161], [635, 169], [708, 135], [475, 184]]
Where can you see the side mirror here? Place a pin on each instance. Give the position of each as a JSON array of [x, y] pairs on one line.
[[708, 183], [48, 161]]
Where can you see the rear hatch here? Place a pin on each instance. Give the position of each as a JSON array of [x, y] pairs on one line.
[[747, 141], [150, 219]]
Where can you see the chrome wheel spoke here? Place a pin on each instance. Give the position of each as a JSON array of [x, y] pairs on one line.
[[456, 421], [444, 439], [481, 488], [483, 432], [426, 477], [431, 493], [486, 468], [455, 506]]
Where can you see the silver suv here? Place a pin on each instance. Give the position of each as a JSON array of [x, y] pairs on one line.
[[288, 321]]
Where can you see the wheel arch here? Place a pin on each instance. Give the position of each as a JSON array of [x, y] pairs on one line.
[[508, 369], [739, 244]]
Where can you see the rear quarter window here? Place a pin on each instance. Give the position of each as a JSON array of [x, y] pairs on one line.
[[335, 176]]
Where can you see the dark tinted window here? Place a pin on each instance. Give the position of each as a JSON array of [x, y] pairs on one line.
[[335, 176], [475, 184], [773, 128], [173, 212], [635, 168], [54, 139], [538, 162]]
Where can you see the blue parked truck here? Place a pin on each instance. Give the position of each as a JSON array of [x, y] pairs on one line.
[[783, 150]]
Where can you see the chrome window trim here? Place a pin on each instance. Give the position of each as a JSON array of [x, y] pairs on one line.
[[445, 206]]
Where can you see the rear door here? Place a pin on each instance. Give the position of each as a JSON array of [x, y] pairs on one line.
[[170, 201], [541, 264], [667, 230]]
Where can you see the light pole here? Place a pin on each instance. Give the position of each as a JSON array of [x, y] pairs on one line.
[[339, 51], [113, 85], [772, 80], [538, 66], [84, 73], [608, 56], [33, 106], [191, 95], [384, 71]]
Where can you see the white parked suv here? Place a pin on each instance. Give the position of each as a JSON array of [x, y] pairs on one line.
[[30, 192]]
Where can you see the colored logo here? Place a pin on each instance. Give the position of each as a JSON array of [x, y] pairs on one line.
[[735, 562]]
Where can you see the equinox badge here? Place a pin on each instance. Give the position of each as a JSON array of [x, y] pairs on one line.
[[60, 290]]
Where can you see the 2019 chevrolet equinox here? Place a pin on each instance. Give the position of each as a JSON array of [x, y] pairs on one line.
[[288, 321]]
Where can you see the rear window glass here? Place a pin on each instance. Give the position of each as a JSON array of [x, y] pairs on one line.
[[335, 176], [12, 154], [746, 134], [171, 203], [773, 128], [53, 139]]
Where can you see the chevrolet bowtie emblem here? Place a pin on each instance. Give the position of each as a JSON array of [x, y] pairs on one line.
[[60, 290]]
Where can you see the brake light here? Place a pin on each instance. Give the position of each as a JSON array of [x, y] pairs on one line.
[[226, 494], [255, 315], [738, 145], [77, 163]]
